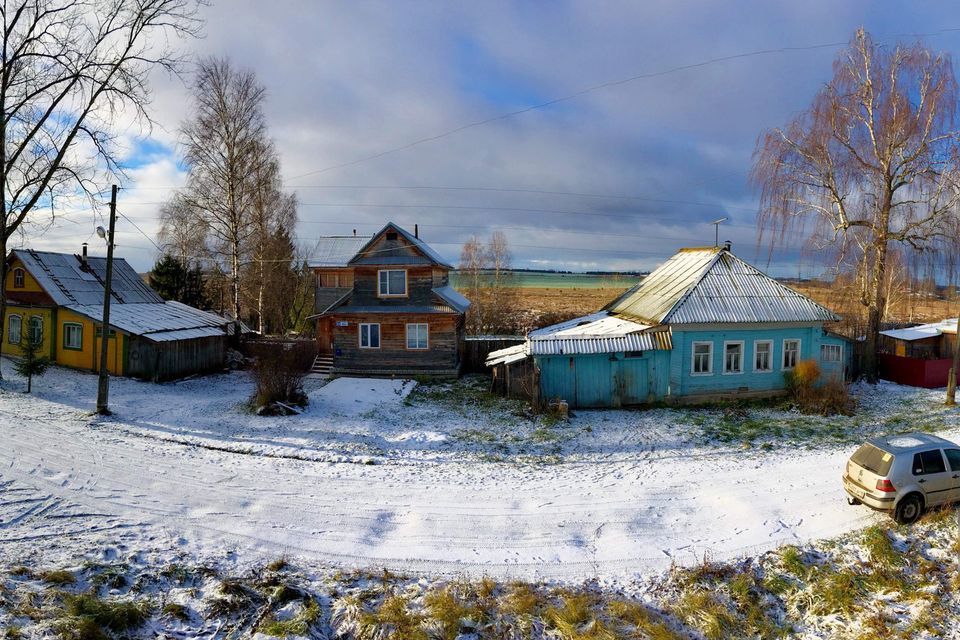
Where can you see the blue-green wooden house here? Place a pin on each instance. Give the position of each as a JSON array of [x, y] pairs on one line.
[[703, 326]]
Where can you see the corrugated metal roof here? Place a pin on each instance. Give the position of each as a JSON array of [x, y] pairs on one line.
[[597, 333], [61, 276], [431, 255], [159, 322], [920, 332], [598, 323], [337, 251], [711, 285], [453, 298]]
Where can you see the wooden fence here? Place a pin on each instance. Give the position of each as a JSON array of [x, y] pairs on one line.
[[477, 348]]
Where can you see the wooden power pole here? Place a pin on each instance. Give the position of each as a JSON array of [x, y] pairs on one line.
[[952, 375], [103, 386]]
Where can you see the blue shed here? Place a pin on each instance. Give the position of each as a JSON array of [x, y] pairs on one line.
[[703, 326]]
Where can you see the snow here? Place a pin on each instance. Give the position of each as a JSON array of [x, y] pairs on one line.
[[372, 476], [923, 331], [905, 442]]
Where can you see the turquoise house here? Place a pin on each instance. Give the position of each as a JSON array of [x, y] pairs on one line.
[[704, 326]]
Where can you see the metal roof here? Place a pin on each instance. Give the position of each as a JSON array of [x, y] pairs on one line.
[[437, 308], [337, 251], [159, 322], [710, 286], [920, 332], [432, 257], [508, 355], [453, 298], [597, 333], [61, 275]]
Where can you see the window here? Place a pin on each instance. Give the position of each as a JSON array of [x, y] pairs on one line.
[[831, 353], [392, 283], [36, 329], [791, 353], [733, 357], [763, 355], [417, 336], [72, 336], [112, 334], [953, 457], [369, 336], [15, 324], [702, 358], [928, 462], [19, 278]]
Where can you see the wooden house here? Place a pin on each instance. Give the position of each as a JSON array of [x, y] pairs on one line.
[[56, 300], [703, 326], [919, 356], [385, 307]]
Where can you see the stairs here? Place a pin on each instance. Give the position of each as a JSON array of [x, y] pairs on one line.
[[322, 366]]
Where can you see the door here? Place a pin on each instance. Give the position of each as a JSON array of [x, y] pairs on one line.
[[953, 461], [325, 335], [931, 473]]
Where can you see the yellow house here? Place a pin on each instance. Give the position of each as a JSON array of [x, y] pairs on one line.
[[56, 300]]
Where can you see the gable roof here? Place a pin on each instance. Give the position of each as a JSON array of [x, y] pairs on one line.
[[61, 276], [337, 251], [429, 256], [711, 285]]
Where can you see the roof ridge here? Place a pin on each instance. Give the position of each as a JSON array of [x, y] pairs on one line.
[[686, 294]]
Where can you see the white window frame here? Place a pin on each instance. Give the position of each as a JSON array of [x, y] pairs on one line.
[[39, 319], [19, 320], [769, 368], [79, 328], [426, 341], [390, 294], [367, 325], [693, 358], [783, 354], [839, 352], [726, 343], [19, 278]]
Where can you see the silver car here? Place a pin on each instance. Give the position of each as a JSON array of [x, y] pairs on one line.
[[904, 474]]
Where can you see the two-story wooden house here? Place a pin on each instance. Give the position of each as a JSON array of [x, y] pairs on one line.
[[385, 307]]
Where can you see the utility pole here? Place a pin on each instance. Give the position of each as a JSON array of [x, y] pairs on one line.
[[103, 386], [952, 374]]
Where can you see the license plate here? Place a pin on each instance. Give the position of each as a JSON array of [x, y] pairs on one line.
[[853, 490]]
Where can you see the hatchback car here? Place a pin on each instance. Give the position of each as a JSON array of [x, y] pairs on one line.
[[904, 474]]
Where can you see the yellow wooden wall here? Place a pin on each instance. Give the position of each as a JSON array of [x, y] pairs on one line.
[[29, 283], [85, 358]]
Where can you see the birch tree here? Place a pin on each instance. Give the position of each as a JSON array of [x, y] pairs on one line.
[[871, 163], [71, 69], [224, 148]]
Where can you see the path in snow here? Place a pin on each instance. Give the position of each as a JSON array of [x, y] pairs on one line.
[[61, 477]]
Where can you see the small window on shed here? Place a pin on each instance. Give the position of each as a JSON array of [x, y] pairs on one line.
[[928, 462]]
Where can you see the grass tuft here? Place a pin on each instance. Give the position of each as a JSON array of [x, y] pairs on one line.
[[58, 577]]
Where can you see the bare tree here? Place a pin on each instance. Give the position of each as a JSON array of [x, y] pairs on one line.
[[871, 162], [226, 149], [70, 69], [491, 289], [472, 265], [183, 234]]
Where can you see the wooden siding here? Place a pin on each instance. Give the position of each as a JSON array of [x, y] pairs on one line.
[[419, 287], [175, 358], [605, 379], [393, 357]]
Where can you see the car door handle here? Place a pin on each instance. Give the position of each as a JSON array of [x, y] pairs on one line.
[[921, 480], [955, 476]]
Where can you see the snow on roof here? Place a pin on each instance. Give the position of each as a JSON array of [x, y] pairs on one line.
[[598, 332], [508, 355], [159, 322], [923, 331], [711, 285], [61, 275], [337, 251], [453, 298]]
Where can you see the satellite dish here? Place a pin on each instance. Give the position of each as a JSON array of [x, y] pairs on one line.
[[101, 232]]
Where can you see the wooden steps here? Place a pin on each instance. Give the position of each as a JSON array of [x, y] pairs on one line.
[[322, 365]]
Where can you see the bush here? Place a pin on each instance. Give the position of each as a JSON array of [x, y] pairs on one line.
[[279, 372], [828, 398]]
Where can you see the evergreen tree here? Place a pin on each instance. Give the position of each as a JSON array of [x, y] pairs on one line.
[[174, 280], [31, 363]]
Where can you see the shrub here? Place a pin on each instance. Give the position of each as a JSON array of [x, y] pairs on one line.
[[828, 398], [279, 372]]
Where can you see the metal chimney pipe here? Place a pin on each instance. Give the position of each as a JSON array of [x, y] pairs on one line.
[[416, 231], [84, 260], [727, 244]]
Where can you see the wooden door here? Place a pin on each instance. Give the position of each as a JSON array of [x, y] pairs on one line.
[[325, 335]]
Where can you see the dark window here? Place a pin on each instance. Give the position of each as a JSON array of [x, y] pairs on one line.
[[953, 457], [873, 459], [928, 462], [391, 235]]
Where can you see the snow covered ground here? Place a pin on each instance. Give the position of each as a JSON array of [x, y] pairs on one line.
[[441, 480]]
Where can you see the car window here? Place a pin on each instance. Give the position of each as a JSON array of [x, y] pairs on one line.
[[928, 462], [953, 457], [873, 459]]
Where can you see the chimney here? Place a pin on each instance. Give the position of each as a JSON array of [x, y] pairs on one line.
[[83, 260], [727, 244], [354, 232], [416, 231]]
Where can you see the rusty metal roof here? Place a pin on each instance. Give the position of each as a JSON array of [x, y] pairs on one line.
[[711, 286]]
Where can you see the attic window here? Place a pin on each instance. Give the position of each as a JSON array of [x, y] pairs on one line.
[[391, 235], [18, 278]]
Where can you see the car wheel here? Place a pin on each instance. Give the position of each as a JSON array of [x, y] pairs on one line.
[[908, 509]]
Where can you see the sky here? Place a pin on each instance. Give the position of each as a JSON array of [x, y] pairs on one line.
[[614, 178]]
